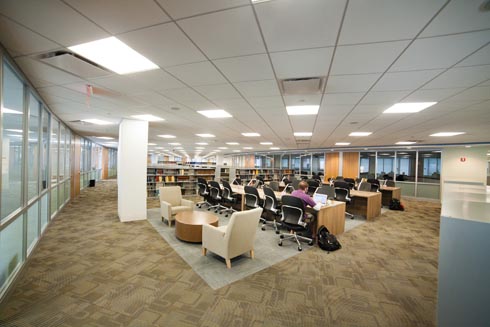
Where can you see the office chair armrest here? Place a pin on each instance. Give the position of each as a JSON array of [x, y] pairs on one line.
[[187, 203]]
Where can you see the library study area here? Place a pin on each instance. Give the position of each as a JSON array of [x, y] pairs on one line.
[[244, 163]]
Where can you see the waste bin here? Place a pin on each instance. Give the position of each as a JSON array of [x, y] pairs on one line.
[[91, 183]]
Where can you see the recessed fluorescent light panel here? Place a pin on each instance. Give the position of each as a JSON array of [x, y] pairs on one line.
[[174, 143], [360, 134], [167, 136], [408, 107], [342, 143], [247, 148], [105, 137], [266, 143], [201, 143], [147, 117], [236, 150], [114, 55], [11, 111], [217, 113], [447, 134], [223, 147], [152, 144], [302, 110], [274, 148], [250, 134], [97, 121], [205, 135], [259, 1], [303, 134], [405, 142], [232, 143]]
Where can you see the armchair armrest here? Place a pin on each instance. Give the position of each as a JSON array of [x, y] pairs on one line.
[[187, 203], [166, 209], [213, 239]]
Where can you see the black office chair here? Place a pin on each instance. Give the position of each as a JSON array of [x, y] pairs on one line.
[[295, 183], [228, 197], [252, 199], [203, 190], [271, 205], [390, 183], [312, 186], [351, 181], [215, 196], [292, 218], [343, 194], [327, 190], [274, 185], [237, 181], [364, 186], [288, 189], [374, 187]]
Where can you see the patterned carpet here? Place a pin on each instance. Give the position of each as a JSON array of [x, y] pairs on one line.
[[91, 270]]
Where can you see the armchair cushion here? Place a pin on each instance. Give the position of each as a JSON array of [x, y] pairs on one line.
[[171, 202]]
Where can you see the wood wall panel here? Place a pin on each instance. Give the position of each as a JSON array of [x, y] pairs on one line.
[[75, 167], [105, 163], [331, 165], [250, 161], [350, 164]]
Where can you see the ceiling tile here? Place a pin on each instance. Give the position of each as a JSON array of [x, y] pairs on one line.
[[431, 95], [34, 14], [200, 73], [218, 91], [366, 58], [481, 57], [55, 76], [247, 68], [473, 94], [290, 24], [302, 63], [350, 83], [119, 83], [386, 13], [188, 97], [178, 8], [119, 16], [156, 79], [302, 124], [457, 17], [267, 102], [342, 98], [460, 77], [384, 98], [226, 33], [440, 52], [258, 88], [405, 80], [154, 43], [302, 100], [21, 41]]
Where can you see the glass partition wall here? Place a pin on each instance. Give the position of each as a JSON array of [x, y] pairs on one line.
[[35, 180]]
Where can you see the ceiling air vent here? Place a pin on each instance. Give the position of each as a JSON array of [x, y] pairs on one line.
[[302, 143], [74, 64], [306, 85]]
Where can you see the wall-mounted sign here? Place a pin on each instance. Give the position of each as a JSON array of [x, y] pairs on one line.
[[462, 159]]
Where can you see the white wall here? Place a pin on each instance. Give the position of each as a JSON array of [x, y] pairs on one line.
[[131, 170]]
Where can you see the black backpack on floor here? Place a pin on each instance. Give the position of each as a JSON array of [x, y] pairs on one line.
[[395, 204], [327, 241]]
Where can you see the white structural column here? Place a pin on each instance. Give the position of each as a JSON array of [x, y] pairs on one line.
[[131, 170]]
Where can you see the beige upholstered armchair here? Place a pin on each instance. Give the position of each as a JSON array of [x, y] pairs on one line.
[[171, 203], [233, 239]]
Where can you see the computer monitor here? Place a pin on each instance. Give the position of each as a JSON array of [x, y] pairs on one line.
[[320, 198]]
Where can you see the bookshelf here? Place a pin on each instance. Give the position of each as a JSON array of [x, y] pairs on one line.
[[270, 174], [173, 175]]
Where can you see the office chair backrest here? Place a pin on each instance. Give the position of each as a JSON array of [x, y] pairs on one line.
[[390, 183], [270, 201], [374, 187], [288, 189], [251, 197], [295, 183], [202, 188], [339, 178], [292, 210], [328, 190], [342, 194], [214, 190], [274, 185], [373, 181], [341, 184], [364, 186], [350, 180], [227, 190]]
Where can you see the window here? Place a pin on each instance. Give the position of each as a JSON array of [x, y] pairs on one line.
[[11, 249], [385, 165], [367, 164], [32, 225], [13, 146], [54, 151], [405, 166], [33, 147], [45, 149], [429, 166]]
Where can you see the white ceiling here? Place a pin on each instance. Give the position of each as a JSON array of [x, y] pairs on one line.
[[229, 54]]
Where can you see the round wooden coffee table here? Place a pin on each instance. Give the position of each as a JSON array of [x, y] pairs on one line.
[[188, 225]]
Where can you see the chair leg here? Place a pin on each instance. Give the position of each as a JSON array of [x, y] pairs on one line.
[[169, 222], [204, 251], [228, 263], [252, 254]]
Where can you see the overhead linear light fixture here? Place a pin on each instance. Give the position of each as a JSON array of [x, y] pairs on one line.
[[152, 144], [223, 147], [447, 134], [360, 134], [303, 134], [104, 137], [115, 55], [302, 110], [342, 143], [408, 107], [275, 148], [201, 143], [205, 135], [167, 136], [97, 121], [148, 117], [11, 111], [232, 143], [250, 134], [236, 151], [215, 113], [259, 1], [174, 143], [247, 148], [266, 143], [405, 142], [159, 147]]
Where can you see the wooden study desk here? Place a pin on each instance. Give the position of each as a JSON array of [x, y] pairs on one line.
[[388, 193], [366, 204], [333, 217]]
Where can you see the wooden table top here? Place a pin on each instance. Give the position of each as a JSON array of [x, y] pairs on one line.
[[389, 188], [363, 194], [196, 218]]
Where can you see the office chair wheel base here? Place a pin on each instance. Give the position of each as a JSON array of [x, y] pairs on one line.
[[300, 248], [226, 215], [277, 232], [280, 243], [209, 209], [263, 228], [197, 205], [281, 237], [310, 243]]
